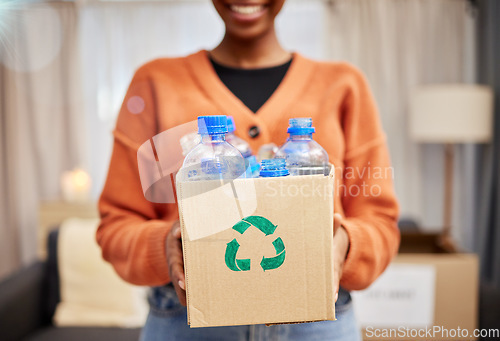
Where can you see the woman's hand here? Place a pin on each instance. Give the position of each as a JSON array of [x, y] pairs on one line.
[[176, 262], [340, 247]]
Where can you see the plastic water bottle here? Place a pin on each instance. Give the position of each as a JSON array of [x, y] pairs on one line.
[[213, 158], [251, 162], [188, 142], [271, 168], [303, 155], [267, 151], [234, 140]]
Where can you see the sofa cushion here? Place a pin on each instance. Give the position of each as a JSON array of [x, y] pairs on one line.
[[22, 301], [84, 334], [92, 294]]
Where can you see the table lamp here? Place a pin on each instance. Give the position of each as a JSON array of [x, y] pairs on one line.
[[450, 114]]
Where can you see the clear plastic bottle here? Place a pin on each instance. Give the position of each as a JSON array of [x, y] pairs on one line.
[[188, 142], [213, 158], [251, 162], [271, 168], [303, 155], [236, 141], [267, 151]]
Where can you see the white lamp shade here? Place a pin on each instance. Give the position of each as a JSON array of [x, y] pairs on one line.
[[452, 113]]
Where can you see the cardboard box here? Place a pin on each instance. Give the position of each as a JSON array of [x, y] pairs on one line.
[[433, 294], [258, 250]]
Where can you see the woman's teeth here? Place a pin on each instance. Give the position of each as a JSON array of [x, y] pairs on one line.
[[246, 9]]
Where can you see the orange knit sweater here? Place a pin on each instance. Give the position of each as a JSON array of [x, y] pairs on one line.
[[133, 230]]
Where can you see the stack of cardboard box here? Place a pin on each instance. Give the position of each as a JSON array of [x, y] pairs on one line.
[[427, 293]]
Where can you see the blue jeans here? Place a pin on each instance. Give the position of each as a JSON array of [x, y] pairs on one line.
[[167, 320]]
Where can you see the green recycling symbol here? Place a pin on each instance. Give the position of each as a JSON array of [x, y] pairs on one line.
[[267, 228]]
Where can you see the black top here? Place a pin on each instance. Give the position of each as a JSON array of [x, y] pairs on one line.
[[252, 86]]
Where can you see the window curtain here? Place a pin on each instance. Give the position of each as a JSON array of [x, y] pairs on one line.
[[488, 227], [41, 124], [400, 45]]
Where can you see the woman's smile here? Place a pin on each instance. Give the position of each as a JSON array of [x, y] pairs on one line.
[[247, 12], [248, 20]]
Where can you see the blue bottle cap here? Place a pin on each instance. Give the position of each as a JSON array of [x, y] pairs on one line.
[[273, 168], [231, 127], [300, 126], [254, 165], [213, 166], [215, 124]]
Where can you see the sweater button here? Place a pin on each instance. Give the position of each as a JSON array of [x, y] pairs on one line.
[[254, 131]]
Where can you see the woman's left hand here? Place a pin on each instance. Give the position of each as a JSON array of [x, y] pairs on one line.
[[340, 249]]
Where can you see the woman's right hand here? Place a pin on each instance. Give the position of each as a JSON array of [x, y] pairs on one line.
[[176, 262]]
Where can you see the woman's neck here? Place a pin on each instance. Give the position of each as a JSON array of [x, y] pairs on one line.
[[264, 51]]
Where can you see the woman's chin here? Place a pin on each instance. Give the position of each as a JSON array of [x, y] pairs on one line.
[[248, 32]]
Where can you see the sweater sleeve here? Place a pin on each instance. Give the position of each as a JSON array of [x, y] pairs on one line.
[[367, 194], [132, 230]]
